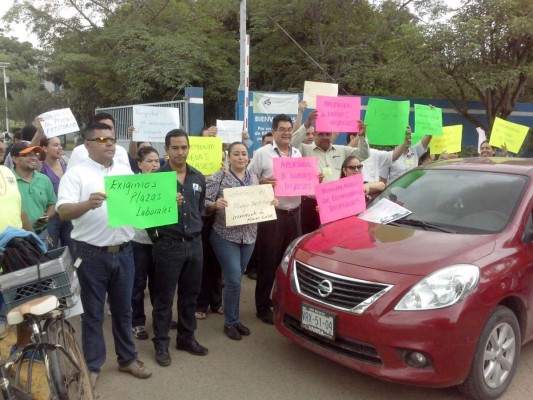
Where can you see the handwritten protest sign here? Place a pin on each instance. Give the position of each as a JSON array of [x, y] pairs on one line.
[[428, 121], [338, 114], [450, 141], [295, 176], [275, 103], [509, 134], [341, 198], [142, 200], [249, 204], [313, 89], [58, 122], [387, 121], [152, 123], [230, 131], [205, 154], [481, 137]]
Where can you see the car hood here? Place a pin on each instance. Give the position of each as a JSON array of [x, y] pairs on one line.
[[396, 249]]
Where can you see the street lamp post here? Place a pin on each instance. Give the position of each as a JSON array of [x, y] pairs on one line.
[[4, 65]]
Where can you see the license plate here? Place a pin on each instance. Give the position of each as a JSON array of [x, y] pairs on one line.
[[318, 321]]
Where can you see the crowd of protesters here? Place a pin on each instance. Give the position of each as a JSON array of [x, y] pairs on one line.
[[199, 262]]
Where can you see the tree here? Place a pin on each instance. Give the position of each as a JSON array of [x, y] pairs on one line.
[[126, 52], [484, 53]]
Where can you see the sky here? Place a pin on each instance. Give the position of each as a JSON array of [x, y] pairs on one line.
[[20, 31]]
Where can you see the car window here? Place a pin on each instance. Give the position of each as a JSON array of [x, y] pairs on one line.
[[464, 201]]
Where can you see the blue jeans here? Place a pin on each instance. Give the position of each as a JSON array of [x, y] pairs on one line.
[[178, 264], [102, 272], [233, 258], [144, 272], [59, 232]]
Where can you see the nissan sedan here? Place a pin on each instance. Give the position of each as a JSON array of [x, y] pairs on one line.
[[440, 297]]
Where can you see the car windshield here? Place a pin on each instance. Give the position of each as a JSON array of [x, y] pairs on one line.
[[457, 201]]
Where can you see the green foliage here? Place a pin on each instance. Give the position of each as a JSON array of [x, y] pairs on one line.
[[116, 52]]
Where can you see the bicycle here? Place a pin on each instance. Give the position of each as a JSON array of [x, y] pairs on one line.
[[54, 347]]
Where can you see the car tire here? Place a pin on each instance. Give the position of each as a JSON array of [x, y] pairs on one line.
[[498, 346]]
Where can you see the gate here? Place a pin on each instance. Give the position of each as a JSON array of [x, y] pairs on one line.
[[124, 118]]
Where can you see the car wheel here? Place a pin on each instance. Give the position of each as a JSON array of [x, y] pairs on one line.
[[496, 357]]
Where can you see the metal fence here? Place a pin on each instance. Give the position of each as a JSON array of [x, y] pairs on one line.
[[124, 118]]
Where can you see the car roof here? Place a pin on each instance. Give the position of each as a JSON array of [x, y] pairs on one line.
[[522, 166]]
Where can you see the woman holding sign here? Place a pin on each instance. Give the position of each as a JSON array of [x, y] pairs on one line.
[[352, 166], [233, 245], [147, 161]]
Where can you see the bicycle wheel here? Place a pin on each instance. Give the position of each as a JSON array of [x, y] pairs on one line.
[[67, 367]]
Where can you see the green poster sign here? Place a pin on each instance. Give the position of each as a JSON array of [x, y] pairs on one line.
[[386, 121], [428, 121], [143, 200]]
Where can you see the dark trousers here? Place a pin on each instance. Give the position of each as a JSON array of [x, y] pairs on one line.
[[144, 273], [177, 264], [274, 237], [211, 290], [310, 217], [102, 272]]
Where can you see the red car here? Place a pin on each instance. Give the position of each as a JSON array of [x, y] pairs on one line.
[[441, 297]]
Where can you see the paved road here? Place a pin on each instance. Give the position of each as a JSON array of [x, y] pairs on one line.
[[265, 366]]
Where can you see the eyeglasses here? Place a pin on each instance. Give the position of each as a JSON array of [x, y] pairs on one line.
[[284, 130], [355, 167], [103, 139]]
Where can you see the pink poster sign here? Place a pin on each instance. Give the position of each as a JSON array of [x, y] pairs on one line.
[[295, 176], [341, 198], [338, 114]]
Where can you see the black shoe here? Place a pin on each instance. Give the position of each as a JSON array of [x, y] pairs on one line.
[[162, 357], [266, 316], [252, 275], [232, 332], [173, 324], [243, 330], [192, 347]]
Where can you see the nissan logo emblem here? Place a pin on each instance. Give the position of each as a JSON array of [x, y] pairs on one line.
[[325, 288]]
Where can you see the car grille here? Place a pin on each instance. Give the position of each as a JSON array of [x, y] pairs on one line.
[[347, 348], [337, 291]]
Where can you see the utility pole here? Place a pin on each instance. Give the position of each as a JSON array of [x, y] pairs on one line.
[[4, 65], [242, 42], [244, 63]]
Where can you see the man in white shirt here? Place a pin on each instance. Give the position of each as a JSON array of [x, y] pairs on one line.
[[408, 160], [103, 254], [273, 237], [330, 158], [80, 153]]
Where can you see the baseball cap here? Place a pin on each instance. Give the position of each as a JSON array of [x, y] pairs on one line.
[[24, 148]]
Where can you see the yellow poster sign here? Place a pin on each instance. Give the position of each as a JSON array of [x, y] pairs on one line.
[[205, 154], [509, 134], [449, 142]]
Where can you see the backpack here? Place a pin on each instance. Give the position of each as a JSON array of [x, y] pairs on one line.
[[21, 253]]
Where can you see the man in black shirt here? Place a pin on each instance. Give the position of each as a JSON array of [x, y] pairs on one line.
[[178, 255]]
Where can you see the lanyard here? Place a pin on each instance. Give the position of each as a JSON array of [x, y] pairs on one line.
[[246, 178], [279, 153]]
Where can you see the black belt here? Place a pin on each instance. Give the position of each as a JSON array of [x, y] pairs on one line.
[[288, 212], [182, 238], [107, 249]]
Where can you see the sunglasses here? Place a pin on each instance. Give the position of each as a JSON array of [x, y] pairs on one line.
[[355, 167], [103, 139]]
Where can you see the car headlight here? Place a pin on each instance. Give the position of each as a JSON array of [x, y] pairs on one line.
[[288, 253], [441, 289]]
